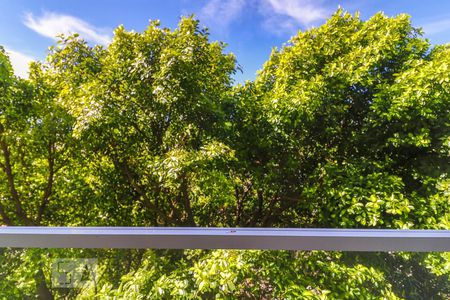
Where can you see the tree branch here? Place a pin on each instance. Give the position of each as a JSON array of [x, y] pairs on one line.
[[5, 217], [10, 177], [48, 189], [129, 177], [187, 201]]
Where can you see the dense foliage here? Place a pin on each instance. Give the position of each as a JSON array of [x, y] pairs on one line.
[[347, 125]]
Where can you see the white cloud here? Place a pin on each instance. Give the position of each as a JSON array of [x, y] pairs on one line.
[[279, 16], [221, 13], [20, 62], [303, 11], [51, 24], [286, 15], [435, 27]]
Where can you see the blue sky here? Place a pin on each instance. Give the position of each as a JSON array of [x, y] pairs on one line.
[[251, 28]]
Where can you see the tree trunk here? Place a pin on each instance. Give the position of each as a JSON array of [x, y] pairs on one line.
[[42, 289], [187, 202]]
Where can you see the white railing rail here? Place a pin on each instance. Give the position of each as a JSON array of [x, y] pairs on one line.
[[226, 238]]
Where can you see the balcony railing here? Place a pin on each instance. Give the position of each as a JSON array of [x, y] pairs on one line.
[[226, 238]]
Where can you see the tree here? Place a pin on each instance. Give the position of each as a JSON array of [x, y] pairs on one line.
[[345, 126], [339, 130], [147, 110], [353, 133], [341, 139]]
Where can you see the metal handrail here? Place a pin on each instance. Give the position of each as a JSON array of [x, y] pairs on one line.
[[226, 238]]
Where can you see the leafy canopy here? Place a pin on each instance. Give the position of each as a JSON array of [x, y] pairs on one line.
[[347, 125]]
